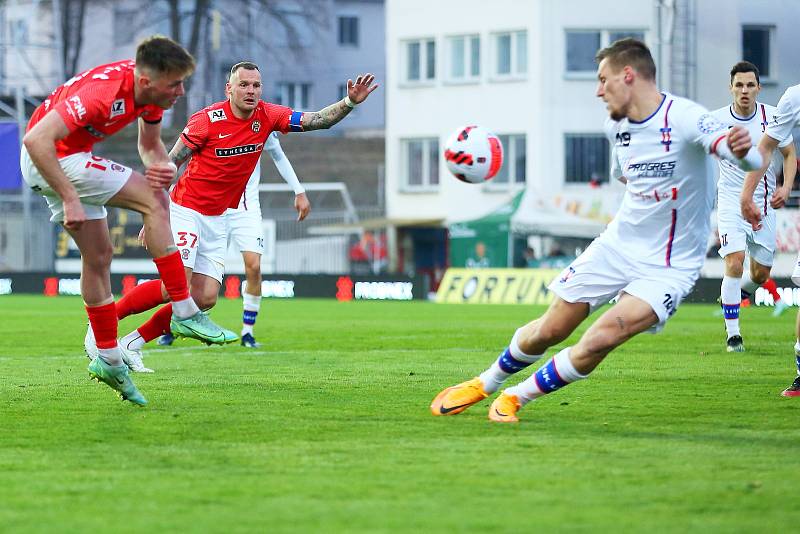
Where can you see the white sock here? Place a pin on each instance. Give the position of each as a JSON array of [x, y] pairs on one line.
[[251, 305], [494, 376], [555, 374], [133, 341], [111, 356], [731, 298], [184, 308], [748, 286]]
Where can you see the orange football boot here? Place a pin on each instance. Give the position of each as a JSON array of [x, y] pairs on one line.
[[458, 398], [504, 409]]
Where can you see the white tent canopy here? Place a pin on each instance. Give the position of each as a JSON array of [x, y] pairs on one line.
[[539, 215]]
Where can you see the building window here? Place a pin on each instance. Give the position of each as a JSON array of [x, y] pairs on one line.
[[511, 54], [514, 157], [420, 60], [464, 57], [756, 41], [421, 163], [348, 31], [294, 95], [18, 32], [586, 158], [582, 46]]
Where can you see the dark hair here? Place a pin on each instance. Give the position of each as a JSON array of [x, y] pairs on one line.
[[745, 66], [162, 55], [247, 65], [631, 52]]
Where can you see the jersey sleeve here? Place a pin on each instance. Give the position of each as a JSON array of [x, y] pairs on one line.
[[610, 129], [86, 106], [704, 130], [195, 135], [283, 119], [282, 163], [152, 115], [786, 116]]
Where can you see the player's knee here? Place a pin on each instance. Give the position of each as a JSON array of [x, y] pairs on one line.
[[253, 267], [549, 333], [759, 276], [99, 259], [205, 300], [601, 341], [157, 206], [734, 264]]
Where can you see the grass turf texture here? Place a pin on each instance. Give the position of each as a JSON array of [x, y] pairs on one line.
[[327, 428]]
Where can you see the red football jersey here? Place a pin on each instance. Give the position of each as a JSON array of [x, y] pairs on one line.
[[95, 104], [226, 150]]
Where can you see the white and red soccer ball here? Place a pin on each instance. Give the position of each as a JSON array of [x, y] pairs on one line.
[[473, 154]]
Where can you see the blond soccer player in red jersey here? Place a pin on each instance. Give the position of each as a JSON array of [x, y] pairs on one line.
[[57, 162], [222, 144]]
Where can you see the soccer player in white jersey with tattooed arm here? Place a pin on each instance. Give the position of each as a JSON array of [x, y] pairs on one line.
[[779, 129], [736, 236], [651, 253]]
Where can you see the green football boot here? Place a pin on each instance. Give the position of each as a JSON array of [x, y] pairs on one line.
[[116, 377], [200, 326]]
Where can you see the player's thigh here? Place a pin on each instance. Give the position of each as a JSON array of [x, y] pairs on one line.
[[733, 232], [96, 180], [762, 243], [186, 232], [663, 289], [245, 230], [631, 315], [137, 195], [594, 278]]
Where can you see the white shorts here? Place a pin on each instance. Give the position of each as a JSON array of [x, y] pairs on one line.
[[737, 235], [201, 239], [95, 179], [601, 273], [245, 229]]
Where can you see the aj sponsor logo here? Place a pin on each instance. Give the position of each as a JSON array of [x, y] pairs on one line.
[[117, 108], [217, 115]]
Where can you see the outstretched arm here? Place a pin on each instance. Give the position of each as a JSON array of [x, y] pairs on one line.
[[356, 93]]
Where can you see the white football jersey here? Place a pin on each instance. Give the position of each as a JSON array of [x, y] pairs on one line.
[[731, 177], [664, 216], [787, 115]]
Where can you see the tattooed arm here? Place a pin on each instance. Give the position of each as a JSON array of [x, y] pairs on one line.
[[356, 93], [180, 153]]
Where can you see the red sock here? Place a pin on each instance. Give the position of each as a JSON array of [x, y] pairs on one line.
[[157, 325], [770, 286], [104, 325], [143, 297], [170, 268]]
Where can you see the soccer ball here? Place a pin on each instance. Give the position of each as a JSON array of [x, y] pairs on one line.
[[473, 154]]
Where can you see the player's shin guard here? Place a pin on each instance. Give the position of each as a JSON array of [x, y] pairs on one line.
[[552, 376], [511, 360], [143, 297], [251, 304], [731, 297], [170, 269], [103, 320]]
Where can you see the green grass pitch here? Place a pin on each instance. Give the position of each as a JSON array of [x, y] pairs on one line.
[[326, 428]]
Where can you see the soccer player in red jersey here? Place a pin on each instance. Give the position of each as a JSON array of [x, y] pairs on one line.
[[222, 142], [57, 162]]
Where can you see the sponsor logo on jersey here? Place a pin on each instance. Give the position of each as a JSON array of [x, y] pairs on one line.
[[623, 138], [256, 126], [659, 169], [217, 115], [709, 124], [238, 150], [117, 108], [117, 167], [77, 105]]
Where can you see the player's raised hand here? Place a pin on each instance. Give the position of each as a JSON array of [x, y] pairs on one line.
[[74, 214], [143, 238], [160, 175], [302, 205], [739, 141], [359, 90]]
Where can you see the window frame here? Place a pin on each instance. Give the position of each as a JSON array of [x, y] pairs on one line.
[[772, 77], [514, 74], [357, 31], [469, 45], [606, 153], [428, 156], [423, 43], [605, 40], [297, 89]]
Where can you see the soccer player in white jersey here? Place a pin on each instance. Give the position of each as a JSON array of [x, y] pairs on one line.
[[651, 253], [245, 230], [786, 117], [736, 235]]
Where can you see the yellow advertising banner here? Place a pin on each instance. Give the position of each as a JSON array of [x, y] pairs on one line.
[[496, 286]]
